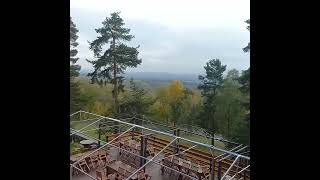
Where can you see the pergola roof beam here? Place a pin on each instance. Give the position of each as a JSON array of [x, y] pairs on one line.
[[104, 145], [87, 126], [225, 174], [138, 156], [152, 158], [171, 135]]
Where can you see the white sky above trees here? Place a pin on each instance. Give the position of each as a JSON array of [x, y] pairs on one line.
[[176, 36]]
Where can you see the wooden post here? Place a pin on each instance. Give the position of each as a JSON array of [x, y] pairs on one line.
[[219, 170], [212, 140], [145, 151], [71, 168], [175, 142], [133, 129], [142, 150], [99, 134], [212, 169], [178, 147], [142, 123]]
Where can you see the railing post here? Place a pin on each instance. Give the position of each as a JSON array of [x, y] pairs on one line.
[[145, 144], [212, 169], [212, 140], [178, 147], [133, 129], [175, 142], [71, 169], [142, 123], [219, 170], [141, 150], [99, 131]]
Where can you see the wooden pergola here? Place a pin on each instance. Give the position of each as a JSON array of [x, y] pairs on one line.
[[221, 165]]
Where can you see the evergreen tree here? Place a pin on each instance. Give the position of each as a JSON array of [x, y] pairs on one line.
[[244, 80], [247, 48], [242, 132], [243, 127], [74, 69], [75, 99], [209, 86], [111, 63], [229, 109]]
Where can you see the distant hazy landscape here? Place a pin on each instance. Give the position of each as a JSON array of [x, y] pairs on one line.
[[151, 80]]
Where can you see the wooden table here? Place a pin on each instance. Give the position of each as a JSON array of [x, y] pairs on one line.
[[199, 171], [135, 144], [131, 143], [113, 167], [77, 157], [86, 143]]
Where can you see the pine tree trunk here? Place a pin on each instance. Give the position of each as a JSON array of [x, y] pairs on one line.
[[212, 140], [228, 121], [115, 86], [212, 114], [228, 128]]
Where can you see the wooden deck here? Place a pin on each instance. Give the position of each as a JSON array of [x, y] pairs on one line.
[[154, 169]]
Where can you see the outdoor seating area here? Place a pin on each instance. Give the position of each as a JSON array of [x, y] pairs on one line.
[[141, 155], [107, 164], [186, 166]]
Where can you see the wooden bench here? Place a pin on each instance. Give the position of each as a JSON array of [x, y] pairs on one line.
[[203, 158]]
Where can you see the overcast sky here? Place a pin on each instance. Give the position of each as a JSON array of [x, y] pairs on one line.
[[176, 36]]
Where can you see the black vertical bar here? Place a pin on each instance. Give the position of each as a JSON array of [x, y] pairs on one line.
[[219, 170], [178, 146], [175, 142], [71, 172], [133, 129], [212, 140], [99, 131], [212, 143], [141, 123], [145, 151], [212, 168], [141, 150]]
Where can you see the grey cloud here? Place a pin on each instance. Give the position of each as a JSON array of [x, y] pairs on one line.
[[169, 50]]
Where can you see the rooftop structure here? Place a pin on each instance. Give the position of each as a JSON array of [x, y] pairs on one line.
[[135, 148]]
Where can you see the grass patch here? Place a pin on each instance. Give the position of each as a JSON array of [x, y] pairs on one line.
[[94, 133], [74, 146], [91, 130], [195, 138]]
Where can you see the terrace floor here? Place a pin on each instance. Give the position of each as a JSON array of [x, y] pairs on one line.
[[152, 169]]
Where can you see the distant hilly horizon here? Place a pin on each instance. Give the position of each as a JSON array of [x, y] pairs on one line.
[[157, 76]]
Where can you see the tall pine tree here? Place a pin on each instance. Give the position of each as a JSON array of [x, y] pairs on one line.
[[243, 128], [110, 64], [247, 48], [74, 69], [209, 86]]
